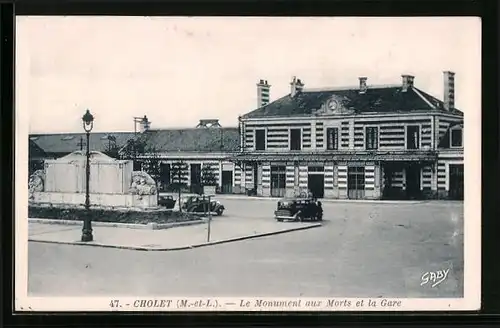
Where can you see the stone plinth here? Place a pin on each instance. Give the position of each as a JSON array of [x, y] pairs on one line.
[[105, 200], [112, 183]]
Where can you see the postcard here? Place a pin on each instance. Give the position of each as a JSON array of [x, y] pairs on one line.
[[248, 163]]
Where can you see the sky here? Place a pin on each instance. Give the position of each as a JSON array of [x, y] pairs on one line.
[[178, 70]]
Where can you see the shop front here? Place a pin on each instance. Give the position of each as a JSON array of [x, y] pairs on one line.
[[337, 176]]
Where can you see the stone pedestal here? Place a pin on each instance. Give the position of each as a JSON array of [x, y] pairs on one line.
[[112, 183]]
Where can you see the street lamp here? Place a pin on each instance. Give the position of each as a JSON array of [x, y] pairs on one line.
[[88, 124]]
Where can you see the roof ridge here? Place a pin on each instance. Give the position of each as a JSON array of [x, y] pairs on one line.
[[74, 133], [344, 88], [423, 98], [193, 128]]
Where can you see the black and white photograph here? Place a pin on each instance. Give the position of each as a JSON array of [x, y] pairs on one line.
[[248, 163]]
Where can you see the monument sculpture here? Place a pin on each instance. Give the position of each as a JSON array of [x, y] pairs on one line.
[[113, 183], [35, 183], [142, 184]]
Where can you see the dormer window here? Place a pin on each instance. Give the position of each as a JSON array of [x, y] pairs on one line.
[[456, 137]]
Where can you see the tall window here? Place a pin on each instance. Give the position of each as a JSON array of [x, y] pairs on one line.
[[165, 174], [295, 139], [456, 137], [412, 137], [371, 141], [332, 138], [260, 139], [278, 181]]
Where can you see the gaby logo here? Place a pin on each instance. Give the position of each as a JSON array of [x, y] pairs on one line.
[[434, 277]]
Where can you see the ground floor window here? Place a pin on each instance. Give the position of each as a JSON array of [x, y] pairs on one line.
[[227, 182], [356, 182], [195, 181], [278, 181], [164, 176], [456, 179]]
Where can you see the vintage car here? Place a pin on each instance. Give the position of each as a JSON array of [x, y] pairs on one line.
[[167, 201], [299, 209], [199, 204]]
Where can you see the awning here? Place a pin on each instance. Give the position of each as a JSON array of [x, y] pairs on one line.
[[395, 156]]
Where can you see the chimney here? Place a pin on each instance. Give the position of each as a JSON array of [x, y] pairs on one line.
[[362, 84], [407, 82], [296, 86], [262, 93], [449, 90], [209, 123], [144, 124]]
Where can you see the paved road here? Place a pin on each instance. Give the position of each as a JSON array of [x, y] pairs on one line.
[[363, 250]]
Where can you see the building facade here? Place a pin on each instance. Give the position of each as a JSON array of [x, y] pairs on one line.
[[208, 145], [365, 142]]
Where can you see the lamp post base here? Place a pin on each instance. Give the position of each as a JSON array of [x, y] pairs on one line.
[[87, 236]]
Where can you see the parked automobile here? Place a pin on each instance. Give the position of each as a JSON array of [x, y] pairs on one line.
[[199, 204], [167, 201], [299, 209]]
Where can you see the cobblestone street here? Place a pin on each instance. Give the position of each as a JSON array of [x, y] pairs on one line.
[[362, 250]]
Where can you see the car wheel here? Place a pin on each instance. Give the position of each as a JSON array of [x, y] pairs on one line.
[[279, 220], [220, 211]]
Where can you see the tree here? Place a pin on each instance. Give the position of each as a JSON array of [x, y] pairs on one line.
[[152, 164], [133, 148], [111, 148], [179, 172], [208, 177], [139, 149]]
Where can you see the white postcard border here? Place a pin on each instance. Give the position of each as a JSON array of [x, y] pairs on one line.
[[472, 247]]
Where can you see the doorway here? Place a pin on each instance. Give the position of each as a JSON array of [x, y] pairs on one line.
[[227, 182], [356, 182], [164, 176], [196, 178], [316, 184], [278, 181], [413, 181], [456, 181]]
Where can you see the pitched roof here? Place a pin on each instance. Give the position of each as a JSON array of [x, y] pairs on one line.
[[382, 99], [34, 150], [69, 142], [195, 139]]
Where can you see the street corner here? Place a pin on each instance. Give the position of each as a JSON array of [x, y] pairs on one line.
[[252, 233]]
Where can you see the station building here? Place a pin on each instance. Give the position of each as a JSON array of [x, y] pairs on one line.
[[363, 142]]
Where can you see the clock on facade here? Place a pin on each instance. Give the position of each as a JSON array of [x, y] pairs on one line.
[[333, 104]]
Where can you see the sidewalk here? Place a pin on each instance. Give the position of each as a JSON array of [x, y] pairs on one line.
[[324, 200], [222, 230]]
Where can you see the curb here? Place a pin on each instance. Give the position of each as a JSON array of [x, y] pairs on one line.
[[151, 249], [149, 226]]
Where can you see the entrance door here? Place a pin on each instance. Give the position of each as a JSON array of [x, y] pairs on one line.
[[356, 182], [413, 181], [164, 175], [227, 182], [456, 181], [196, 178], [278, 180], [316, 184]]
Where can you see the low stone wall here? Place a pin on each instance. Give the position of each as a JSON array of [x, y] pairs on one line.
[[111, 200], [160, 216], [148, 226]]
